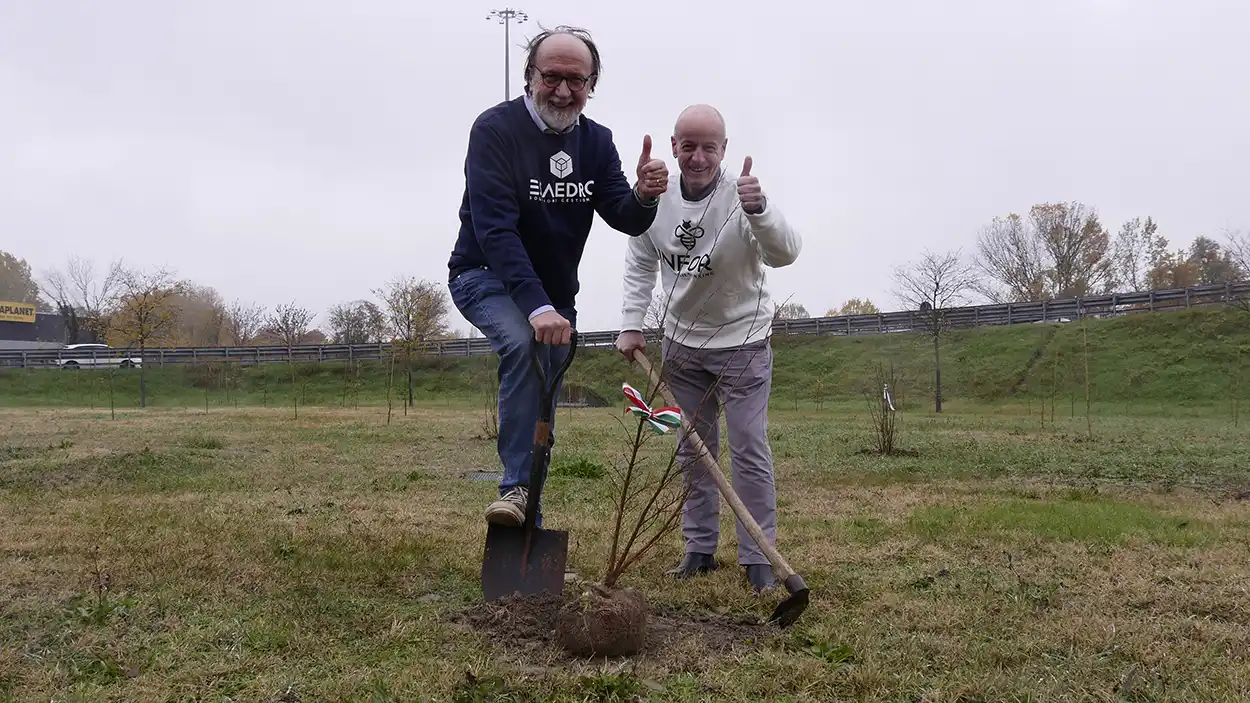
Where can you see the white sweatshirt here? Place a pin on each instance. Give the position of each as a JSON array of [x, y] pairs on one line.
[[712, 259]]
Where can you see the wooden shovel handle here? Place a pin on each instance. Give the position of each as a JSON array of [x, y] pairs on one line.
[[781, 569]]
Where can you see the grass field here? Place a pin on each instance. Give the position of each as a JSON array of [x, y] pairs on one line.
[[246, 554]]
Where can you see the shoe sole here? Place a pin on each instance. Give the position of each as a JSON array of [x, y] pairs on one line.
[[508, 516]]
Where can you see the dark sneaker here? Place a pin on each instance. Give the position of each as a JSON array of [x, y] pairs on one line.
[[510, 509]]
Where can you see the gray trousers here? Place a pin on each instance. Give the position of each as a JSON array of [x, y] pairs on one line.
[[738, 379]]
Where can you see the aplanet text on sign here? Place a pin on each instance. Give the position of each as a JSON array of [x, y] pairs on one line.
[[16, 312]]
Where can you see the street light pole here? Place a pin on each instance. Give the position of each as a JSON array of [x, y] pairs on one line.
[[506, 16]]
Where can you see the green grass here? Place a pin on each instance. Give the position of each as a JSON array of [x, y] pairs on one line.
[[1154, 362], [228, 543], [1094, 522], [173, 554]]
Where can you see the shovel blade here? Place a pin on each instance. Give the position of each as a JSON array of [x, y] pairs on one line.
[[514, 564], [789, 610]]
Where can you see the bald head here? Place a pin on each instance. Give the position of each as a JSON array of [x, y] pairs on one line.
[[702, 120], [699, 143]]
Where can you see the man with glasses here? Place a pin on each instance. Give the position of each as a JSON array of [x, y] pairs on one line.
[[536, 172]]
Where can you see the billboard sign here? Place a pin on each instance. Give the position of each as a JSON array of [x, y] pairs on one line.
[[17, 312]]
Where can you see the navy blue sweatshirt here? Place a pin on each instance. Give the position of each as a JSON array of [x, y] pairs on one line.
[[530, 198]]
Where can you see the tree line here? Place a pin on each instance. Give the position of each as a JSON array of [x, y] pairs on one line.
[[134, 307], [1062, 250], [1055, 250]]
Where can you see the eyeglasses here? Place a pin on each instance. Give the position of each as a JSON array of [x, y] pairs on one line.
[[553, 80]]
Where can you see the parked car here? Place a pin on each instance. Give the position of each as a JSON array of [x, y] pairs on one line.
[[75, 356]]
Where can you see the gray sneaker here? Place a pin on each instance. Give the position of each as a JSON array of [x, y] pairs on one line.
[[510, 509]]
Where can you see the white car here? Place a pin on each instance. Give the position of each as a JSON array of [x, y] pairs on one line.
[[75, 356]]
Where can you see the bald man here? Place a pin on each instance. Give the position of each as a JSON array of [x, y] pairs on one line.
[[713, 239], [536, 172]]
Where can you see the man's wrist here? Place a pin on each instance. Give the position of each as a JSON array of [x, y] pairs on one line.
[[541, 310], [645, 202]]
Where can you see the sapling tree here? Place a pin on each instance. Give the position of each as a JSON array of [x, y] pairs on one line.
[[930, 287], [650, 488], [144, 314], [416, 312], [289, 323], [880, 394]]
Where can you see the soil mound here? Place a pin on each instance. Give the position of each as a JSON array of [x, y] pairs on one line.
[[528, 623]]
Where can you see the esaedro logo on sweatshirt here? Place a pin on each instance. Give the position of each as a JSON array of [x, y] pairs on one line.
[[561, 191]]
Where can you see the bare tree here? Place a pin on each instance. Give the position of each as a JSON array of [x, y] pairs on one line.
[[1077, 245], [1011, 256], [1061, 250], [1131, 254], [243, 322], [1238, 245], [357, 322], [80, 297], [145, 312], [931, 286], [289, 323], [417, 313]]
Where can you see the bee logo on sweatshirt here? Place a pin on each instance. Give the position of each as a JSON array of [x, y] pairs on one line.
[[688, 234]]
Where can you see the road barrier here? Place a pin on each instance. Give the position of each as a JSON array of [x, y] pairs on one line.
[[1058, 311]]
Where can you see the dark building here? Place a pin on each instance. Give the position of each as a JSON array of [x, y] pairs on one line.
[[48, 327]]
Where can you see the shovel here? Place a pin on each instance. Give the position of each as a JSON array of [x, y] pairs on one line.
[[527, 559], [788, 610]]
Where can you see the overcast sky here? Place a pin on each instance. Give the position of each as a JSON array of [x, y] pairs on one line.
[[306, 150]]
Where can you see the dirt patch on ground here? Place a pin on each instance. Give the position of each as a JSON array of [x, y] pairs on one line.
[[528, 624]]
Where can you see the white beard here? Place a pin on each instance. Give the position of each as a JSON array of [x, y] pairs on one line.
[[558, 119]]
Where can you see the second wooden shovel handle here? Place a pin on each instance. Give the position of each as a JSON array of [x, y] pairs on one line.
[[781, 569]]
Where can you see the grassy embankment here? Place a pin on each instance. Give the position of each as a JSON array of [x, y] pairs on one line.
[[1145, 363]]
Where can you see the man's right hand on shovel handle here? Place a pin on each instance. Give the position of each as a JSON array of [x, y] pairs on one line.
[[630, 341], [551, 328]]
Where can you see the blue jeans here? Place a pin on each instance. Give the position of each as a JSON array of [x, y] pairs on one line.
[[481, 297]]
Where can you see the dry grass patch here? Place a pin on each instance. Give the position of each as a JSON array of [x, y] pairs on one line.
[[249, 555]]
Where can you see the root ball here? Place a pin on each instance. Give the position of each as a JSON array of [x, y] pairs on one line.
[[603, 622]]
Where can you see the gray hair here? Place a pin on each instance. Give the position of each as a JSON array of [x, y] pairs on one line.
[[531, 49]]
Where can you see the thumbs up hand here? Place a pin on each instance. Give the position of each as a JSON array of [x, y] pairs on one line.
[[652, 173], [749, 193]]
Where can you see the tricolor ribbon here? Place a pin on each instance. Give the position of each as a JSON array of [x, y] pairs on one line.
[[661, 419]]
